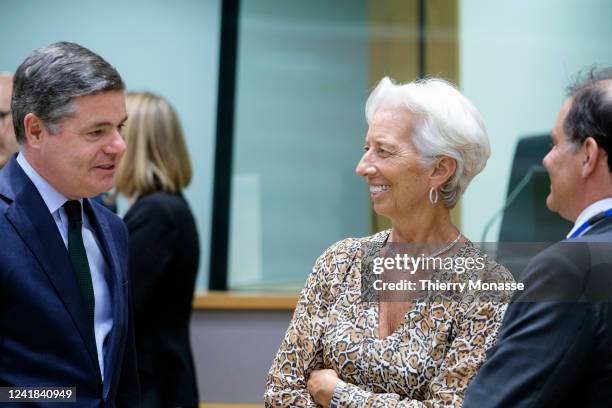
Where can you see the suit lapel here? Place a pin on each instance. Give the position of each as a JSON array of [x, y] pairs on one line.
[[109, 251], [35, 225]]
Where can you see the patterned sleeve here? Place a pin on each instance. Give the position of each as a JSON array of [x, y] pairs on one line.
[[301, 349], [475, 333]]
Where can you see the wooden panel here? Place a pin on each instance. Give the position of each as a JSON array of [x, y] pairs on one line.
[[442, 39], [393, 42], [244, 301], [442, 51], [393, 50]]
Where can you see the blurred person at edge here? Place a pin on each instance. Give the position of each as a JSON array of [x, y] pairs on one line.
[[164, 250], [555, 348], [64, 305], [8, 141], [424, 145]]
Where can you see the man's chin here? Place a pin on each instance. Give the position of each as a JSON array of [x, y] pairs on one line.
[[93, 192], [550, 203]]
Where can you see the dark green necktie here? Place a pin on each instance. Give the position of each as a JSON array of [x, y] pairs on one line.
[[78, 257]]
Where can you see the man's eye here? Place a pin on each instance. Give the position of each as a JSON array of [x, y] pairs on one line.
[[383, 152], [551, 145], [97, 132], [366, 148]]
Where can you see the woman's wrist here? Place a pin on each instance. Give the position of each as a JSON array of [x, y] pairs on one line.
[[334, 403]]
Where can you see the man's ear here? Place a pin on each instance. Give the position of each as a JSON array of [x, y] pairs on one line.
[[591, 156], [442, 171], [34, 130]]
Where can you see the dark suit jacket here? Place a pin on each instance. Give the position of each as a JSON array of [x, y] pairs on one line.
[[555, 345], [44, 339], [164, 256]]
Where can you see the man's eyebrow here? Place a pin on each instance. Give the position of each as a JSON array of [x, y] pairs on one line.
[[106, 123]]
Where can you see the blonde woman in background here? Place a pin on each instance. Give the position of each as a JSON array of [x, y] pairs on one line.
[[164, 250]]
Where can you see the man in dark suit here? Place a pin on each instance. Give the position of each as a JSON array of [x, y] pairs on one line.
[[554, 348], [64, 315]]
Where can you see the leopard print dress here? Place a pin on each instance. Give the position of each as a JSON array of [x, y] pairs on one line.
[[427, 362]]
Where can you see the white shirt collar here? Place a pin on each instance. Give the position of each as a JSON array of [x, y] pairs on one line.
[[52, 198], [590, 211]]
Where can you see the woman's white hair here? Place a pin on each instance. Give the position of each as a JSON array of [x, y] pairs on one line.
[[448, 124]]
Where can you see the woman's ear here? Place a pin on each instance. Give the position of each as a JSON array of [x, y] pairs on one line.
[[442, 171]]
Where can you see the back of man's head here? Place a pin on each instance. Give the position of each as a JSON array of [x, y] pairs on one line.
[[48, 80], [590, 114]]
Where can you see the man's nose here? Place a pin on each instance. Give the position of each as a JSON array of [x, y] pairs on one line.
[[117, 145]]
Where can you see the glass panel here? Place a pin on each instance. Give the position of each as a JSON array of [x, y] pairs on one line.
[[301, 87], [516, 60]]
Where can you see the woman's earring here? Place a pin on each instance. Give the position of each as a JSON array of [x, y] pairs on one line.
[[433, 199]]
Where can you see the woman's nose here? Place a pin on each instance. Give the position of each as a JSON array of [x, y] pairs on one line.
[[365, 167]]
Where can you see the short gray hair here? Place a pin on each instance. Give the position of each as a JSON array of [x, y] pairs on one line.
[[448, 124], [590, 114], [48, 80]]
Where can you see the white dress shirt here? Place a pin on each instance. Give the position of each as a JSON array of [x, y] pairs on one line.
[[103, 318], [591, 211]]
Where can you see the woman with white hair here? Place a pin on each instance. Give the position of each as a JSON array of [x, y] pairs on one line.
[[424, 145]]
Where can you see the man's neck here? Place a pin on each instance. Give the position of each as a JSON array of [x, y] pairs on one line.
[[589, 201]]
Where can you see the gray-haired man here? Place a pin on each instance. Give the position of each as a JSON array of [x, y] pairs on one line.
[[64, 315], [555, 345]]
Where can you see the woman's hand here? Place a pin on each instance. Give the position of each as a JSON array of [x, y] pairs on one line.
[[321, 385]]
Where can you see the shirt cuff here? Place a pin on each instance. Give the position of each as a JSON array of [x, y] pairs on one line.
[[336, 395], [351, 396]]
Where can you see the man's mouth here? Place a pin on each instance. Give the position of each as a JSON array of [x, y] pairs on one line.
[[106, 166]]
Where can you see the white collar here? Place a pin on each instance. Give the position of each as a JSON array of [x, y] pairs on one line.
[[590, 211], [52, 198]]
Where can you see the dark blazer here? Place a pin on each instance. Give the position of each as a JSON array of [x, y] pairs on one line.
[[44, 340], [554, 348], [164, 256]]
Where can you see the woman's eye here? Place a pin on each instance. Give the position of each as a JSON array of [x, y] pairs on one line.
[[379, 151]]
